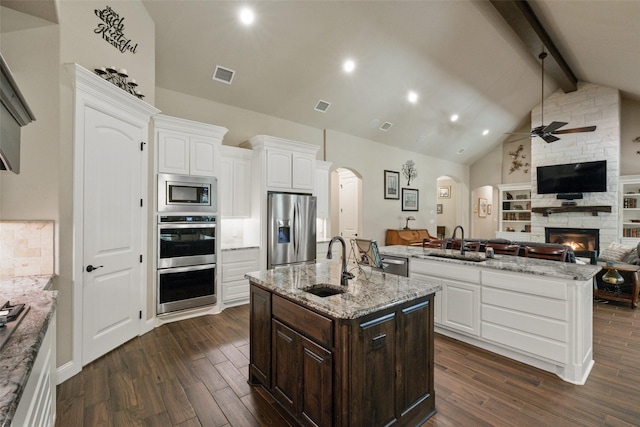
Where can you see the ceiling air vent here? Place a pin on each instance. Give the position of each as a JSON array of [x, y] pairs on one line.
[[322, 106], [223, 75], [386, 126]]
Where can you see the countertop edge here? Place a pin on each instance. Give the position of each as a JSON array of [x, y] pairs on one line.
[[514, 264], [19, 353]]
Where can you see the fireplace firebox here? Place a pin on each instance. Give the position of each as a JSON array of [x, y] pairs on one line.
[[582, 240]]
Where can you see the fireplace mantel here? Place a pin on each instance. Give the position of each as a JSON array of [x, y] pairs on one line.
[[548, 210]]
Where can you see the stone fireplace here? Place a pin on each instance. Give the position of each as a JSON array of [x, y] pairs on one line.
[[589, 105], [579, 239]]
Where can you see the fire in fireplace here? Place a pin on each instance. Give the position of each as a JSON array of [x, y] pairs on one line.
[[580, 239]]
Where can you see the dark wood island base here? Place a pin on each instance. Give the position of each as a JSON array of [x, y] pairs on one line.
[[373, 370]]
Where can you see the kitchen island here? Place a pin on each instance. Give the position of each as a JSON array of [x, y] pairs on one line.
[[538, 312], [363, 356]]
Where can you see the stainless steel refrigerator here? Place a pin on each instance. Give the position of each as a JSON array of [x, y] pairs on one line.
[[291, 229]]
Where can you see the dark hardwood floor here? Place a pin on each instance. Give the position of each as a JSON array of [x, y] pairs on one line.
[[194, 373]]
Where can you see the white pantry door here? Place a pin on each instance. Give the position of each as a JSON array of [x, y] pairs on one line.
[[348, 200], [112, 233]]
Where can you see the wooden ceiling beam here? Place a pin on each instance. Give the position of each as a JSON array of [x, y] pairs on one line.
[[525, 23]]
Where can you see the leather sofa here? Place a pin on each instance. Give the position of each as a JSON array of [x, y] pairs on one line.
[[571, 255]]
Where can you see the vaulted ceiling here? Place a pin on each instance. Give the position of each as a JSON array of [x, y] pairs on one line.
[[460, 57]]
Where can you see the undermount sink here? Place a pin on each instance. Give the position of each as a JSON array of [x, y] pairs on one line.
[[324, 290], [473, 257]]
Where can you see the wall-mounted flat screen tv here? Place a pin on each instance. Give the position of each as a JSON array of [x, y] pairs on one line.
[[584, 177]]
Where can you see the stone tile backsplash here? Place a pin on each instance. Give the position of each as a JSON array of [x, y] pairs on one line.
[[26, 248]]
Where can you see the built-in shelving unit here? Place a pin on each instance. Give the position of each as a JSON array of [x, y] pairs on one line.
[[515, 212], [630, 209]]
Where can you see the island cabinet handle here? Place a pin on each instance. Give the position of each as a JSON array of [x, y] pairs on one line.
[[379, 341]]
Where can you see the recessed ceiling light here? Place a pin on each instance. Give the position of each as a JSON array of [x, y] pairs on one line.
[[349, 65], [412, 97], [247, 17], [454, 117], [460, 151], [485, 132]]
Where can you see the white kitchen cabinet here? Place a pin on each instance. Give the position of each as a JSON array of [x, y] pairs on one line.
[[322, 188], [235, 182], [37, 406], [461, 306], [186, 147], [458, 305], [540, 320], [288, 165], [290, 170], [235, 264]]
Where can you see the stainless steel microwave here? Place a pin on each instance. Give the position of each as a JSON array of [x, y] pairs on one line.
[[185, 193]]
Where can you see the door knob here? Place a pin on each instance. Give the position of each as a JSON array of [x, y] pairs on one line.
[[90, 268]]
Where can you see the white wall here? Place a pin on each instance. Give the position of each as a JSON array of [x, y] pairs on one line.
[[448, 218], [36, 51], [370, 159]]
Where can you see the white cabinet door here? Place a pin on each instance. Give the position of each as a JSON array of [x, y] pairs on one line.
[[303, 167], [202, 156], [235, 182], [186, 147], [173, 153], [242, 187], [461, 306], [235, 264], [279, 168], [225, 186], [322, 189]]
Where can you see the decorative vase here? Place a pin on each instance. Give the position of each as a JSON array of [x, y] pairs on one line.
[[612, 276]]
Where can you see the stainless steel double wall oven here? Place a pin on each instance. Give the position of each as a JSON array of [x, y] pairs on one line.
[[186, 242]]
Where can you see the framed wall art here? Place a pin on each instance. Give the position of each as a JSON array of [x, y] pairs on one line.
[[482, 207], [391, 185], [439, 208], [444, 192], [409, 199]]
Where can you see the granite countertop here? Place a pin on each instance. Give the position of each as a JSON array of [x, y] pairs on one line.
[[20, 351], [369, 291], [516, 264]]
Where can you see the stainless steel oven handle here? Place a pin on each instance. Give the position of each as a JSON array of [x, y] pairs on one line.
[[186, 225], [186, 269]]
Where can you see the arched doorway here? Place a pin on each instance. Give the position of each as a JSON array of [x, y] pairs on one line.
[[448, 206]]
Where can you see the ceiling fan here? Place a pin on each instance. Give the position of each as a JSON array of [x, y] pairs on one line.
[[548, 132]]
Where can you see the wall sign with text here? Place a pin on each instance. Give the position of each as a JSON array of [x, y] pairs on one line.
[[112, 30]]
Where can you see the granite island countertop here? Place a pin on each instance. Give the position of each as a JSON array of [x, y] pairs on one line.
[[369, 291], [20, 351], [516, 264]]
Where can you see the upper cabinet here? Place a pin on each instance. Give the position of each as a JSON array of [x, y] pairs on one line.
[[289, 165], [186, 147], [322, 188], [235, 182]]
